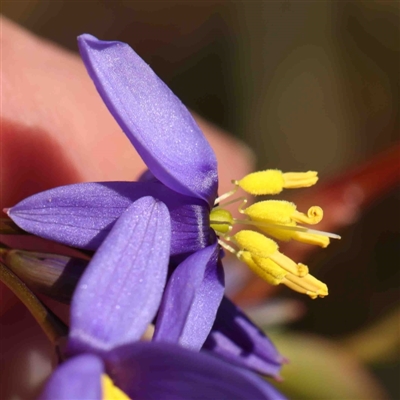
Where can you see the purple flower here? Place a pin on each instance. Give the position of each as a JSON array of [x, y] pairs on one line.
[[184, 171], [182, 182], [109, 315]]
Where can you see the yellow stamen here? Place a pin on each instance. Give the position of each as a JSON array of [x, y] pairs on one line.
[[288, 264], [227, 247], [262, 182], [268, 273], [299, 289], [309, 283], [110, 391], [279, 232], [263, 267], [295, 180], [314, 216], [276, 218], [272, 181], [255, 243], [260, 246], [311, 238], [273, 211]]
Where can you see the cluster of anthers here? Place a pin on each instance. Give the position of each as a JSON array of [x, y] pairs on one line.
[[276, 218]]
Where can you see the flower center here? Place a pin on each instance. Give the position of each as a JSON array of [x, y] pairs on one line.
[[276, 218]]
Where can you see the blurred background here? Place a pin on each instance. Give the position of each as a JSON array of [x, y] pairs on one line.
[[306, 85]]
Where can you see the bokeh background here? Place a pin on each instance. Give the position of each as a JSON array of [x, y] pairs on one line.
[[306, 85]]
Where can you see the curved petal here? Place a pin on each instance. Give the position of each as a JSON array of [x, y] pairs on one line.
[[180, 293], [76, 378], [83, 214], [120, 291], [205, 306], [236, 338], [153, 118], [148, 370]]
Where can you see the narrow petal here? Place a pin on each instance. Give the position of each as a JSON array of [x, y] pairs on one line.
[[76, 378], [236, 338], [120, 291], [153, 118], [83, 214], [180, 293], [205, 306], [148, 370]]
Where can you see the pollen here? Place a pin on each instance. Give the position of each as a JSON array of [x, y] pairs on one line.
[[110, 391]]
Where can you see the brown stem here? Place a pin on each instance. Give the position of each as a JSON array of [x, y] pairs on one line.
[[54, 328]]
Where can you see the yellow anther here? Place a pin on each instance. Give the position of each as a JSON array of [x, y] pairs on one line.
[[276, 218], [270, 181], [245, 256], [295, 180], [311, 238], [270, 267], [260, 246], [274, 274], [314, 215], [271, 211], [277, 232], [266, 269], [286, 235], [299, 289], [288, 264], [110, 391], [255, 243], [221, 220], [309, 283]]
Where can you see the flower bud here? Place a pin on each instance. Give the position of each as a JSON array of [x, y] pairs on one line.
[[53, 275]]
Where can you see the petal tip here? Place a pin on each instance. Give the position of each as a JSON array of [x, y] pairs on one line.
[[87, 42], [86, 38]]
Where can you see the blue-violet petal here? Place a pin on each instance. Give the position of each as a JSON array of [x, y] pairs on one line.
[[237, 339], [153, 371], [205, 305], [83, 214], [76, 378], [180, 293], [120, 290], [153, 118]]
